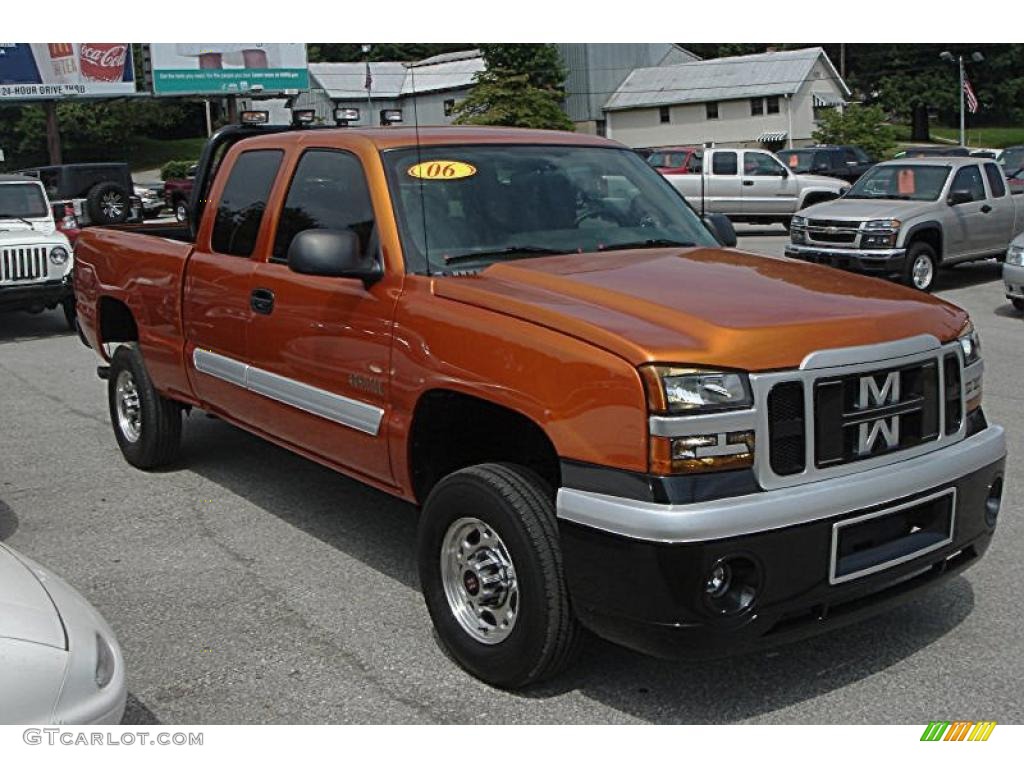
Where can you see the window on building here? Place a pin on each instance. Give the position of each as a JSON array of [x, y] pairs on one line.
[[969, 180], [665, 115], [328, 191], [449, 107], [241, 206], [757, 106], [995, 180], [724, 164], [711, 109], [773, 105]]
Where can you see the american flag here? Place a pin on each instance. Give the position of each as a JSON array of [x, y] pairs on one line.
[[972, 99]]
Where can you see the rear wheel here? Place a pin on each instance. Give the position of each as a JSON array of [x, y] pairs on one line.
[[147, 425], [491, 573], [921, 268]]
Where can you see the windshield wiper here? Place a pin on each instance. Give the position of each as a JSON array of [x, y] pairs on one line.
[[511, 252], [19, 218], [650, 243]]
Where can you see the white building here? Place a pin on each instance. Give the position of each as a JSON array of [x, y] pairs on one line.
[[423, 91], [767, 99]]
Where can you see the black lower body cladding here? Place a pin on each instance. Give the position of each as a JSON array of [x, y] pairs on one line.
[[34, 297], [660, 598]]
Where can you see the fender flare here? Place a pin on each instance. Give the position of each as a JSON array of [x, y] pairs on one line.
[[926, 226]]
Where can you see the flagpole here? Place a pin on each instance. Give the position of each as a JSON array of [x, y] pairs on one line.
[[963, 120]]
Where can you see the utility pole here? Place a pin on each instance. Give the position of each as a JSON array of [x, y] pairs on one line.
[[232, 109], [53, 133]]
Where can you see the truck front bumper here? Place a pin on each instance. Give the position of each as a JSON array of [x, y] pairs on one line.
[[884, 262], [1013, 280], [34, 296], [639, 572]]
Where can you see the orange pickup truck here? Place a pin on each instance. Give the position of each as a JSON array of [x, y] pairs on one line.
[[607, 419]]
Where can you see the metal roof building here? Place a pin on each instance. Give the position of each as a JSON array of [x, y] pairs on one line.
[[768, 98]]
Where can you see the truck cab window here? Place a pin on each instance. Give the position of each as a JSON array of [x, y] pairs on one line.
[[241, 206], [328, 191], [724, 164], [995, 180], [969, 180]]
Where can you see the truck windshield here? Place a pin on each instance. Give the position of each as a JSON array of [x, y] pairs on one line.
[[1012, 160], [22, 201], [472, 205], [900, 182]]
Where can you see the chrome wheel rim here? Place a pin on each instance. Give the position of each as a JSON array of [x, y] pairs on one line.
[[112, 205], [129, 407], [922, 272], [479, 580], [181, 213]]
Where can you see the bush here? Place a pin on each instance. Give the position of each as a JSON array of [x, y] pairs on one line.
[[175, 169], [856, 124]]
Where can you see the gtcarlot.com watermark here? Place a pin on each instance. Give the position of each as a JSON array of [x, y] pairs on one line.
[[77, 738]]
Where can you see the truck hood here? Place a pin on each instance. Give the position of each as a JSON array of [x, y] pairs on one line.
[[845, 209], [26, 611], [704, 306], [811, 179]]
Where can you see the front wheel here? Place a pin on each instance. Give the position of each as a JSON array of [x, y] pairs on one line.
[[922, 267], [491, 573], [146, 424]]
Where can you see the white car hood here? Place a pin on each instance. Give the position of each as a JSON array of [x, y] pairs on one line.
[[26, 611], [16, 233]]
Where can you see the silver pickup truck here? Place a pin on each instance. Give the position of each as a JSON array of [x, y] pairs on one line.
[[907, 218], [752, 185]]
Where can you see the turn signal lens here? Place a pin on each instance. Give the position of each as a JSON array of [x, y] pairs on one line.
[[696, 454]]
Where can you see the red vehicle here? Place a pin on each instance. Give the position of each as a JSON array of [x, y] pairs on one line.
[[178, 194], [671, 161], [608, 419]]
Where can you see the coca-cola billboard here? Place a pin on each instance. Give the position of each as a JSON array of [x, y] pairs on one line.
[[38, 71]]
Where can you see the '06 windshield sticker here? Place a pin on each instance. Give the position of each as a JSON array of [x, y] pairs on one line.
[[442, 170]]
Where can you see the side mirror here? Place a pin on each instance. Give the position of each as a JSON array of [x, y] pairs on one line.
[[959, 197], [843, 191], [331, 253], [721, 228]]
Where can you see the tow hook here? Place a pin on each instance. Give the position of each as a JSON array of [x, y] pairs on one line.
[[103, 371]]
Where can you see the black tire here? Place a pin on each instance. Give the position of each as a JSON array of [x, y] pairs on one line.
[[157, 438], [1018, 304], [926, 280], [70, 312], [108, 203], [180, 211], [519, 506]]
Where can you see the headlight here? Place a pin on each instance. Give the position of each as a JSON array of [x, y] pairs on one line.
[[690, 390], [970, 343], [59, 255], [883, 224], [798, 221], [104, 662], [1015, 256]]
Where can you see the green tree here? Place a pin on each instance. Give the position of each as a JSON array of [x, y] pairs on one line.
[[521, 87], [856, 124]]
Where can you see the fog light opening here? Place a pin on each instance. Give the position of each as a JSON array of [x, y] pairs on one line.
[[993, 502], [731, 585]]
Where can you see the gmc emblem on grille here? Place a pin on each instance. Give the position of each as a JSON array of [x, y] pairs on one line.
[[874, 396]]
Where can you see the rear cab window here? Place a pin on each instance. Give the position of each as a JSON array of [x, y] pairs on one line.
[[724, 164], [244, 201], [996, 183]]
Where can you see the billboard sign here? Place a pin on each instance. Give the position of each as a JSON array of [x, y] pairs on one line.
[[223, 69], [34, 71]]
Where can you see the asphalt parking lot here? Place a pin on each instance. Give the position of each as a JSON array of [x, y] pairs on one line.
[[249, 585]]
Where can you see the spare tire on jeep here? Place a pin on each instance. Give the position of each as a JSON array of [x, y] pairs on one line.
[[107, 203]]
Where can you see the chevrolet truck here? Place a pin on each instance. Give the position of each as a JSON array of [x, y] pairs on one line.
[[752, 186], [35, 258], [606, 420], [907, 218]]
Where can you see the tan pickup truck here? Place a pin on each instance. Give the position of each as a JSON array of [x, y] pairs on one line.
[[606, 419]]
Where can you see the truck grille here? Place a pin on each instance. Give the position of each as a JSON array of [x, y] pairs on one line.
[[22, 264], [821, 420], [825, 231]]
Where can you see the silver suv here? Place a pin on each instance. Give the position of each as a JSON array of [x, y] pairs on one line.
[[906, 218]]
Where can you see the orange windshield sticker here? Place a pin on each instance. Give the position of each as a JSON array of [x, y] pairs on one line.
[[905, 182], [794, 161], [442, 170]]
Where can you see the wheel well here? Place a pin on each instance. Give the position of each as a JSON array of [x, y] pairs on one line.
[[451, 431], [813, 198], [930, 235], [116, 322]]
